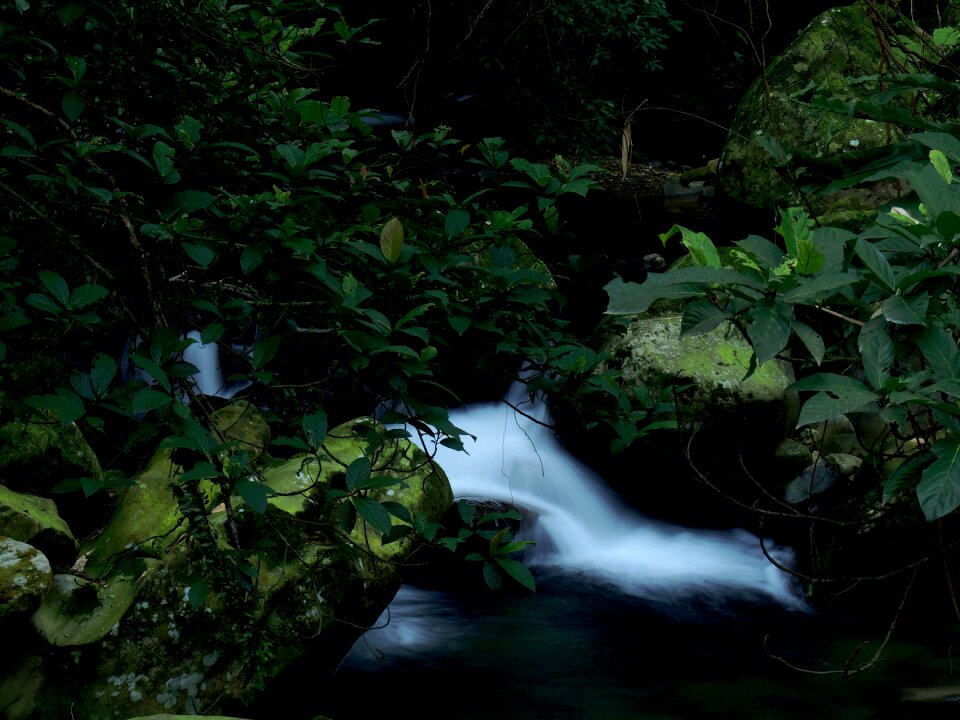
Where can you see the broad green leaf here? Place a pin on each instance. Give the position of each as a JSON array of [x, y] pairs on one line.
[[581, 186], [56, 286], [264, 351], [72, 105], [948, 225], [87, 295], [347, 516], [102, 374], [944, 142], [211, 333], [460, 323], [768, 328], [793, 228], [939, 488], [876, 263], [897, 310], [519, 572], [153, 369], [811, 340], [202, 470], [391, 240], [906, 475], [357, 472], [373, 513], [254, 494], [838, 395], [941, 165], [250, 258], [765, 252], [809, 258], [935, 194], [65, 404], [456, 222], [700, 247], [940, 351], [148, 399], [188, 201], [83, 385], [700, 317], [43, 303], [491, 576], [198, 593], [315, 428], [876, 351], [163, 158]]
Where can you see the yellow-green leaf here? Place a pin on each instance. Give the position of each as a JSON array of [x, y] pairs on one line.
[[391, 240]]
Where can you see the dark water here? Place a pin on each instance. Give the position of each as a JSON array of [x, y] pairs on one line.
[[576, 649], [632, 619]]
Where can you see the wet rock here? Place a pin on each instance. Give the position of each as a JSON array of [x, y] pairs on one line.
[[25, 577], [32, 519]]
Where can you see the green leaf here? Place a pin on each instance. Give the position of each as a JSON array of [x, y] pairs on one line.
[[148, 399], [254, 494], [264, 351], [373, 513], [202, 470], [897, 310], [765, 252], [87, 295], [941, 165], [809, 258], [347, 517], [102, 374], [940, 351], [72, 105], [56, 286], [391, 240], [939, 488], [460, 323], [163, 158], [154, 370], [65, 404], [43, 303], [768, 328], [315, 428], [793, 228], [906, 474], [186, 202], [456, 222], [491, 576], [701, 248], [357, 472], [519, 572], [200, 254], [198, 593], [700, 317], [211, 333], [876, 263], [876, 351], [839, 395], [811, 340], [807, 290], [250, 258]]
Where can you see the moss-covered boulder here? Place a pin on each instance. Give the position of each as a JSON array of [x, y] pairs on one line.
[[242, 424], [143, 522], [36, 456], [716, 395], [35, 520], [838, 45], [25, 577]]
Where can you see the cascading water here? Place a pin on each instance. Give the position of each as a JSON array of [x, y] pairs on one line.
[[580, 526]]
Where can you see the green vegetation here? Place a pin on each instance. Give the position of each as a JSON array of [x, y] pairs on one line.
[[168, 168]]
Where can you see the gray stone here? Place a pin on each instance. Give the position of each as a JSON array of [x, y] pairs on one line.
[[25, 577]]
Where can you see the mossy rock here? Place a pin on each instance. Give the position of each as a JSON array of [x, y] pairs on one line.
[[837, 45], [25, 577], [167, 716], [33, 519], [243, 424], [144, 520], [36, 456]]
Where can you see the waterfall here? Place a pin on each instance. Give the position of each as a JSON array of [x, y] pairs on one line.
[[206, 358], [580, 526]]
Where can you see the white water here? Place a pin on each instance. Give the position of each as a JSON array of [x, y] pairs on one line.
[[206, 358], [579, 526]]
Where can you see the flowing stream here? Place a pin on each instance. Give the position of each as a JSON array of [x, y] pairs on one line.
[[632, 618]]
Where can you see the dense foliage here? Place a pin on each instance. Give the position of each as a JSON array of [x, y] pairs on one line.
[[163, 176]]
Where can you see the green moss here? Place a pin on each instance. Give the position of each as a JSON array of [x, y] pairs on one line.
[[35, 520]]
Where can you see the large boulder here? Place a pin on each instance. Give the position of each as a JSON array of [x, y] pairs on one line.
[[32, 519], [25, 577], [837, 46], [722, 408], [36, 456]]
